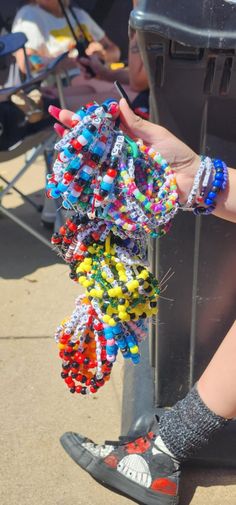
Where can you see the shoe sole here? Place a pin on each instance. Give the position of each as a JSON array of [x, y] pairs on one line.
[[110, 478]]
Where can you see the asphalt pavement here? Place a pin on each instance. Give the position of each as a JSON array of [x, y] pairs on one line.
[[36, 407]]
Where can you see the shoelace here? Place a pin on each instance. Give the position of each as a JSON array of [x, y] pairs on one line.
[[125, 439]]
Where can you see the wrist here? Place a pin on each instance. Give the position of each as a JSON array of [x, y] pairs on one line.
[[211, 178], [185, 178]]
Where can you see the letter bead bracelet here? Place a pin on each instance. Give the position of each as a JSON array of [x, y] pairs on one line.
[[116, 193]]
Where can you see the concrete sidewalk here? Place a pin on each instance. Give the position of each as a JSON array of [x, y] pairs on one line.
[[36, 408]]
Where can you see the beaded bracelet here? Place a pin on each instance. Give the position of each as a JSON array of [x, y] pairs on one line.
[[196, 188], [100, 171], [219, 183], [206, 181], [210, 179], [120, 191], [121, 289], [81, 343]]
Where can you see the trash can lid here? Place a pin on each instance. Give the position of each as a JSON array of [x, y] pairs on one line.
[[201, 23]]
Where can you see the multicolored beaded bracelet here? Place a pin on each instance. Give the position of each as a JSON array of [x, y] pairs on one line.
[[102, 172], [120, 289], [81, 343], [120, 191]]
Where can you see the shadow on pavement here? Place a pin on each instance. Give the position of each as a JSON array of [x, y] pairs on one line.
[[194, 477], [20, 252]]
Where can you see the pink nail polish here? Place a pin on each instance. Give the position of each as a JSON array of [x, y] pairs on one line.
[[54, 111], [59, 129]]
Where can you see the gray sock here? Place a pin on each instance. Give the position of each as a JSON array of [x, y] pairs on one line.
[[188, 425]]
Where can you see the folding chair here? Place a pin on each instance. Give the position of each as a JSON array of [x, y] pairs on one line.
[[42, 137]]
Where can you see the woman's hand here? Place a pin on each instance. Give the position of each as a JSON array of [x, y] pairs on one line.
[[182, 159], [100, 69], [96, 48]]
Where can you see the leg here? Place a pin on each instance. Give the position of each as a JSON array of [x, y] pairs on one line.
[[147, 469], [217, 385]]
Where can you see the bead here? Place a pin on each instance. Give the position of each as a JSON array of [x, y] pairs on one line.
[[116, 188], [112, 173], [54, 193], [208, 201], [212, 195], [219, 176], [217, 183]]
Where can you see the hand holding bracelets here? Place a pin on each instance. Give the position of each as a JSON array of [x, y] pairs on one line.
[[116, 192]]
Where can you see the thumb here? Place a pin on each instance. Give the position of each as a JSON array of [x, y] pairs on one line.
[[137, 126]]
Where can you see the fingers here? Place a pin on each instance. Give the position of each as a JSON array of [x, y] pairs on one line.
[[94, 47], [60, 131], [65, 117], [133, 125], [138, 127], [54, 111]]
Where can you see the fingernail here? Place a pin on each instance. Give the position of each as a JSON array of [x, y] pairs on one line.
[[54, 111], [75, 117], [59, 129]]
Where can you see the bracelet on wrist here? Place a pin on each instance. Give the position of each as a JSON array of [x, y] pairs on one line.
[[211, 179]]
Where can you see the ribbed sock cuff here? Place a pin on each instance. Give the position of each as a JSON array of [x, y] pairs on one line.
[[188, 425]]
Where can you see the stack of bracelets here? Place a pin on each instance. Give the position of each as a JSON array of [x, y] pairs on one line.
[[117, 192], [210, 179]]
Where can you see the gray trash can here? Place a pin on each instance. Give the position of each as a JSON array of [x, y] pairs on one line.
[[189, 53]]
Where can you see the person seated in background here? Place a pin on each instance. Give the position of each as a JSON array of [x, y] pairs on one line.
[[49, 34], [133, 77]]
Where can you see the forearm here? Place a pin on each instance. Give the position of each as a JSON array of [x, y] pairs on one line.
[[217, 384], [226, 200], [121, 75], [137, 76], [20, 60], [137, 73]]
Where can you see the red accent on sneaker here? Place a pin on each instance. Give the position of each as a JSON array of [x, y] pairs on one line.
[[165, 486], [111, 461], [140, 445]]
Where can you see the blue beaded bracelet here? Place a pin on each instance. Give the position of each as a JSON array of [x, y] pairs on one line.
[[218, 184]]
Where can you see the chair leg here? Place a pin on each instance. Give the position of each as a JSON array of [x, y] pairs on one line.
[[37, 151], [38, 207], [25, 226], [51, 208]]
